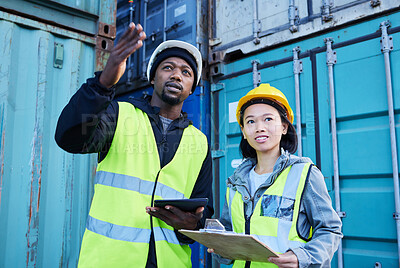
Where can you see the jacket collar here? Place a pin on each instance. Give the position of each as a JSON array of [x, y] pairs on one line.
[[153, 111], [286, 159]]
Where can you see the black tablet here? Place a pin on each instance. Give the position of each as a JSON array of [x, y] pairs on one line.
[[189, 205]]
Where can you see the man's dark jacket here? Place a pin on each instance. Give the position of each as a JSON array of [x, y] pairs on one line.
[[87, 125]]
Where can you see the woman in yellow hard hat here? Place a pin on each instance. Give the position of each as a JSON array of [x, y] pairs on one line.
[[278, 197]]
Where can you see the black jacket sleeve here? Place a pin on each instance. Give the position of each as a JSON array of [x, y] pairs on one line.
[[202, 188], [87, 123]]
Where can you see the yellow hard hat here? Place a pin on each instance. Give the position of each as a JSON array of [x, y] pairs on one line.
[[265, 91]]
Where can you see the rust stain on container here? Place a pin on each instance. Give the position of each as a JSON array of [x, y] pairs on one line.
[[104, 44], [32, 233], [34, 201], [103, 47], [106, 33], [40, 179]]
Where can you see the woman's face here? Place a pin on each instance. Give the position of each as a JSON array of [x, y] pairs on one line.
[[263, 128]]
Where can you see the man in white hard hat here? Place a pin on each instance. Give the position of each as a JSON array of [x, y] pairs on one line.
[[148, 150]]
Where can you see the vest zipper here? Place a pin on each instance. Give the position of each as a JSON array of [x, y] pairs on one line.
[[152, 203], [247, 231], [247, 223], [162, 148]]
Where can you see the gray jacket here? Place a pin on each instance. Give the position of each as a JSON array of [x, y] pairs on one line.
[[315, 210]]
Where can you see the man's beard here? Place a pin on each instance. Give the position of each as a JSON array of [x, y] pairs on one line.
[[171, 100]]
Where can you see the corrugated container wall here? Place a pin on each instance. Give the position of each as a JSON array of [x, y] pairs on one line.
[[348, 110], [47, 50]]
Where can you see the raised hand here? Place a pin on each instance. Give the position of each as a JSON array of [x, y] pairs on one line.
[[130, 41]]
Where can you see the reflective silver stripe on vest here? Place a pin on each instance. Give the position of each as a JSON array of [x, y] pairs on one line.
[[165, 234], [281, 241], [129, 234], [294, 176], [136, 184], [118, 232]]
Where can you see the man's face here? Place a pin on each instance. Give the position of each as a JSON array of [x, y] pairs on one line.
[[173, 80]]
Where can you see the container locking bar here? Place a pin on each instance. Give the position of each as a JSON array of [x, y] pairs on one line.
[[256, 23], [129, 67], [144, 63], [297, 69], [330, 61], [386, 47]]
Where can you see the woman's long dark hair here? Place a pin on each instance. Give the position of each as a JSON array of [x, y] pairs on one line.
[[288, 141]]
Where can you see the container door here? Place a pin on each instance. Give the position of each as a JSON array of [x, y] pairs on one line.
[[364, 149], [365, 171], [45, 192]]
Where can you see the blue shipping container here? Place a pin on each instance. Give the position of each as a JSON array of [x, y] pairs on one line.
[[161, 20], [366, 185]]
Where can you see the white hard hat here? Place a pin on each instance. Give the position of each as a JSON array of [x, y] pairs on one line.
[[178, 44]]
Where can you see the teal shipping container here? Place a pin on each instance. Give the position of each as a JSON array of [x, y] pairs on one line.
[[47, 50], [341, 76]]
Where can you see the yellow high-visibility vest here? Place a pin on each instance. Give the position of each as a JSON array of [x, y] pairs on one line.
[[118, 228], [275, 215]]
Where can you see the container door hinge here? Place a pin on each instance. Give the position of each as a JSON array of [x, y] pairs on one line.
[[375, 3], [326, 10], [256, 73], [297, 64], [294, 18], [331, 57], [217, 87], [386, 40], [217, 154], [256, 31]]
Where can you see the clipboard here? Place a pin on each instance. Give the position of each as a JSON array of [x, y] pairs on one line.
[[231, 245]]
